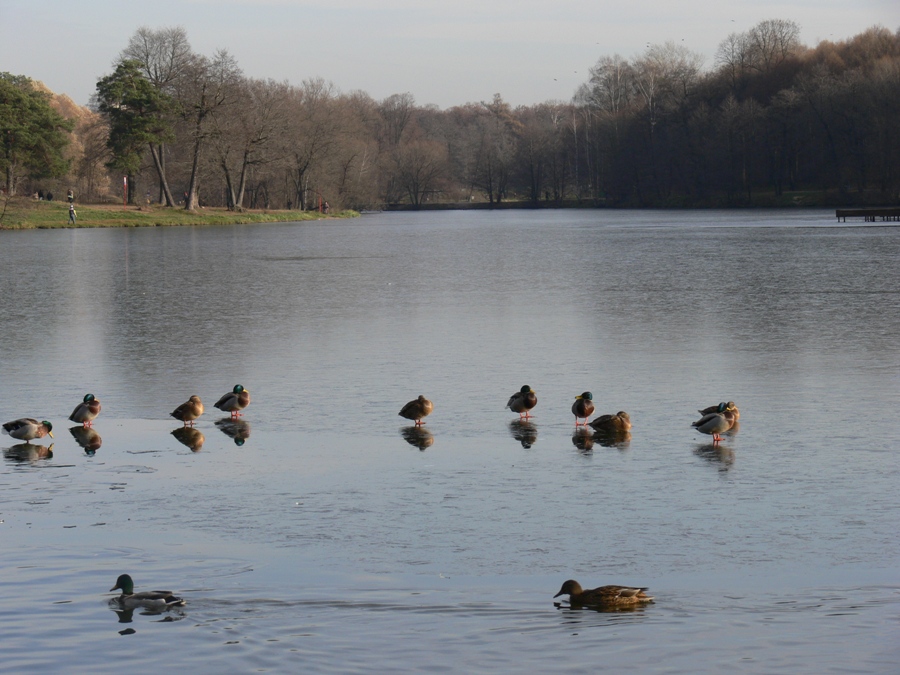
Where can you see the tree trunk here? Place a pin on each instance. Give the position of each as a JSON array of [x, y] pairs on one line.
[[161, 172]]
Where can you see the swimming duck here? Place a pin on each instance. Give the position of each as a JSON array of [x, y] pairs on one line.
[[605, 595], [86, 411], [729, 409], [612, 424], [616, 596], [158, 600], [583, 407], [27, 428], [417, 409], [234, 401], [189, 410], [522, 401], [714, 423]]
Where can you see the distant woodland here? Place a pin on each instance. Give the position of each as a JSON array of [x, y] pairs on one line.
[[770, 122]]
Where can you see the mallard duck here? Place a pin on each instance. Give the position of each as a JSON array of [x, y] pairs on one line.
[[715, 424], [28, 428], [86, 411], [612, 424], [729, 409], [417, 409], [522, 401], [234, 401], [188, 411], [158, 600], [616, 596], [583, 407]]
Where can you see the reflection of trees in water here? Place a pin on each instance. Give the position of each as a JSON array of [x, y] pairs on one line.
[[236, 429], [418, 437], [523, 431]]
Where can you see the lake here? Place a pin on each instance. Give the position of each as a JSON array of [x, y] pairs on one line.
[[324, 533]]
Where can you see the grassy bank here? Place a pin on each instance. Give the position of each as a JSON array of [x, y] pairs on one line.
[[25, 213]]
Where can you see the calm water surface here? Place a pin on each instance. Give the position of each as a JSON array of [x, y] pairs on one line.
[[335, 538]]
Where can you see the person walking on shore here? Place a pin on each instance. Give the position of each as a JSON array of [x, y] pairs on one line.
[[72, 213]]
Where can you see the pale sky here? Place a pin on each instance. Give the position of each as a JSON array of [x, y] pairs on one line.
[[442, 52]]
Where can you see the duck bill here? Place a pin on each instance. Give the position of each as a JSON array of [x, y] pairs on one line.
[[50, 434]]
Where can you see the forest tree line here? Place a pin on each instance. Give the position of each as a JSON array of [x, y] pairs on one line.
[[771, 120]]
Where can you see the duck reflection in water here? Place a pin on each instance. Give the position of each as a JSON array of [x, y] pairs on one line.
[[523, 431], [189, 436], [418, 437], [619, 440], [583, 439], [28, 452], [234, 428], [716, 454], [87, 438], [126, 614]]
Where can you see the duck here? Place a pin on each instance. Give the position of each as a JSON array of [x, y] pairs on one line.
[[158, 600], [583, 407], [725, 407], [86, 411], [417, 409], [715, 423], [188, 411], [234, 401], [522, 401], [28, 428], [619, 423], [614, 596]]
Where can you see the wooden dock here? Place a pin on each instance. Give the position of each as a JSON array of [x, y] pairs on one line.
[[884, 214]]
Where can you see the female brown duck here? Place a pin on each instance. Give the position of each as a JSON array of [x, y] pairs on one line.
[[608, 596], [417, 409], [188, 411]]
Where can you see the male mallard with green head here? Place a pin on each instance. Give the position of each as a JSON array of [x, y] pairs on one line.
[[188, 411], [619, 423], [417, 409], [583, 407], [606, 596], [28, 428], [234, 401], [522, 401], [727, 408], [715, 423], [86, 411], [158, 600]]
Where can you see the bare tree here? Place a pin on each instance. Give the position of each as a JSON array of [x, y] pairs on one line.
[[208, 85], [244, 133], [164, 56]]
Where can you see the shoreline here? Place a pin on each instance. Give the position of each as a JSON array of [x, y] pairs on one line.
[[28, 214]]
